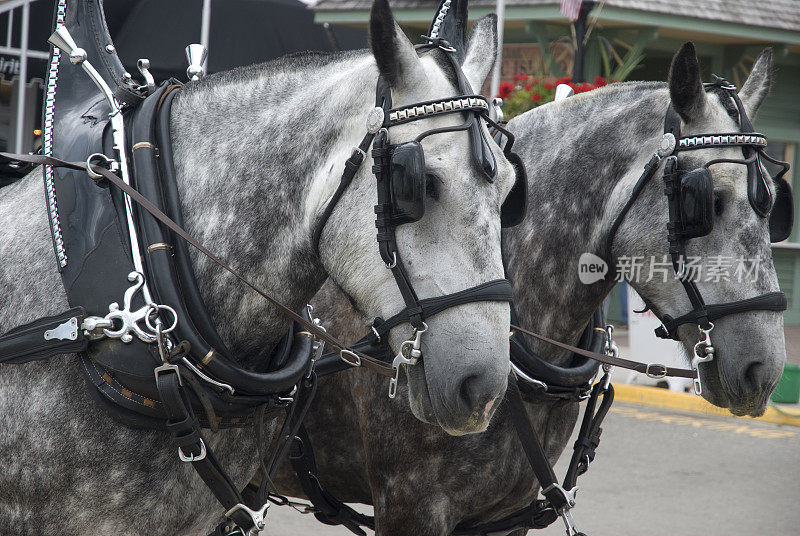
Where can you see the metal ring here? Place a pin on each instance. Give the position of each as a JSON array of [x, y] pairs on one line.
[[656, 375], [394, 261], [107, 161], [154, 308], [356, 363]]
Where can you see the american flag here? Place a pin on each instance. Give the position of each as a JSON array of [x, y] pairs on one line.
[[570, 8]]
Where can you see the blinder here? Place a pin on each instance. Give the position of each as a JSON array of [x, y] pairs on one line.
[[515, 205], [407, 182], [696, 203]]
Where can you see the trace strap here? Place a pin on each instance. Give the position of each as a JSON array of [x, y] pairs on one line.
[[365, 360]]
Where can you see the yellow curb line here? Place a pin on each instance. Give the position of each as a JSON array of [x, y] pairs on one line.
[[654, 396]]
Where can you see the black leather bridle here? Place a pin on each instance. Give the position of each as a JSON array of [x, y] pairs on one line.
[[389, 216], [672, 143]]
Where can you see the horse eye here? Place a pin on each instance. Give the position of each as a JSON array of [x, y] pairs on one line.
[[432, 186], [719, 206]]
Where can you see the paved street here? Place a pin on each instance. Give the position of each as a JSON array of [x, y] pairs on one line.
[[664, 472]]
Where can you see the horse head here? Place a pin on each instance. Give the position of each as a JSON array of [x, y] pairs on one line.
[[453, 243], [726, 206]]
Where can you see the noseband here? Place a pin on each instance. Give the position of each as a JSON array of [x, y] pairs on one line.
[[690, 199]]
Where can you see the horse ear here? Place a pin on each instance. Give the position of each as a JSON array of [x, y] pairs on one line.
[[395, 55], [685, 85], [756, 87], [481, 51]]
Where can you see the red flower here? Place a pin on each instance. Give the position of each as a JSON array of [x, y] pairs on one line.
[[527, 87], [525, 78], [599, 81], [564, 80], [549, 85], [505, 89], [517, 78], [535, 81], [536, 97]]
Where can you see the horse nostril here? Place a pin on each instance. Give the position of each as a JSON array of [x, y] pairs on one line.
[[753, 375]]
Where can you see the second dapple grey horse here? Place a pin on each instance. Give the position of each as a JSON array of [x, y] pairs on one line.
[[583, 156]]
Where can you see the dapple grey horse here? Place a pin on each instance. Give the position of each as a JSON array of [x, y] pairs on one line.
[[258, 152], [583, 156]]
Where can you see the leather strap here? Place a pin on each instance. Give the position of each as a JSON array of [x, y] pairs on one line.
[[496, 290], [366, 361], [772, 301], [651, 369], [185, 430], [42, 338]]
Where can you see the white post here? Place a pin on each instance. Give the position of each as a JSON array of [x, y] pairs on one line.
[[205, 29], [498, 66], [22, 85]]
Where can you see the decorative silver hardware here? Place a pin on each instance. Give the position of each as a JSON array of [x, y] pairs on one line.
[[356, 362], [110, 49], [415, 112], [611, 350], [656, 371], [393, 264], [196, 56], [143, 64], [375, 120], [496, 110], [206, 378], [62, 39], [437, 22], [47, 142], [667, 145], [409, 354], [527, 379], [68, 331], [703, 351], [126, 321], [564, 512], [191, 457], [99, 159], [563, 91], [257, 516]]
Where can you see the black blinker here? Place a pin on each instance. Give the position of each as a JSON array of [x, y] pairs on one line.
[[408, 182], [696, 202], [781, 219], [513, 209]]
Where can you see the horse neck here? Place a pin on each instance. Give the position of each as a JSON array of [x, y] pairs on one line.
[[583, 156], [257, 153]]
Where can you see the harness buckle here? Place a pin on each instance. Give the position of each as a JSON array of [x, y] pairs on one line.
[[659, 372], [256, 516], [191, 457]]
